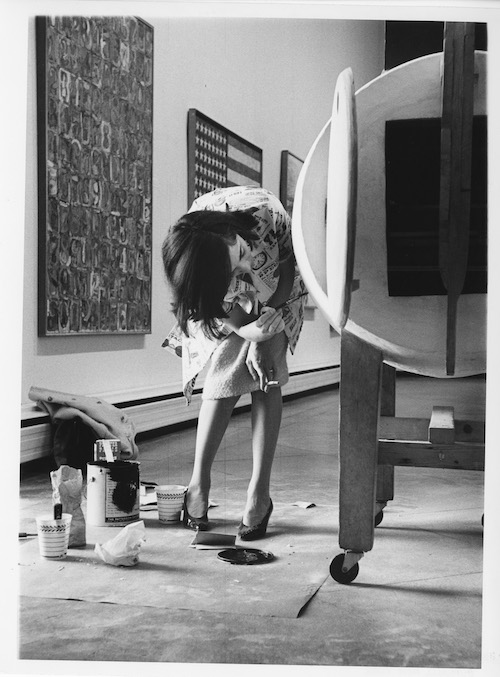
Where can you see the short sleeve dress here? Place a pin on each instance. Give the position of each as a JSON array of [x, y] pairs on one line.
[[228, 374]]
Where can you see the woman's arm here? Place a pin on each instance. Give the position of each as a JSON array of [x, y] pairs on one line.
[[286, 272], [261, 328], [252, 327]]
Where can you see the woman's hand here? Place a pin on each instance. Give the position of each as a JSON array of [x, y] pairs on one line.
[[270, 320], [252, 328], [260, 364]]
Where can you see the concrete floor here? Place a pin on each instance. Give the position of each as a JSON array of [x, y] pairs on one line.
[[417, 601]]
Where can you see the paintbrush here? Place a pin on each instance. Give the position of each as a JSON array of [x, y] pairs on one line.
[[295, 298]]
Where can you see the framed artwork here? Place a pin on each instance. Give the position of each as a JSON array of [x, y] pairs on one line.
[[95, 136], [290, 169], [217, 158]]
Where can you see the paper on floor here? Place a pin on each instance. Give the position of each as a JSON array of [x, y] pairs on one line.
[[123, 549]]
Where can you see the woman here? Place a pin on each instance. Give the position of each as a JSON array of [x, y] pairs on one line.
[[230, 264]]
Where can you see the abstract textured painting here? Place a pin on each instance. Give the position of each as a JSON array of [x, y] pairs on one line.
[[95, 127]]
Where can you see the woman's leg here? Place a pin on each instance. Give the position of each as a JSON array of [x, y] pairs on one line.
[[266, 421], [212, 424]]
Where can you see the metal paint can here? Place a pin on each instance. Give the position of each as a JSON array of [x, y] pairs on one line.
[[112, 493]]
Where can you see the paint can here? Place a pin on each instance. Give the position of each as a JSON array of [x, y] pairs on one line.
[[112, 493]]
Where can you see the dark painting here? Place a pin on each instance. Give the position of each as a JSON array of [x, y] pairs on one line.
[[95, 108]]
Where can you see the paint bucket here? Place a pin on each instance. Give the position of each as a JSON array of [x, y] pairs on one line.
[[112, 493]]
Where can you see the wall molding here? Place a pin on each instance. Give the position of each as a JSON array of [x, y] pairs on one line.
[[161, 412]]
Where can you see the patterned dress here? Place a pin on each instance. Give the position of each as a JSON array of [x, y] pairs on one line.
[[273, 246]]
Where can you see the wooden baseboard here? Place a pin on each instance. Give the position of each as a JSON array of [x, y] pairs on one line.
[[160, 412]]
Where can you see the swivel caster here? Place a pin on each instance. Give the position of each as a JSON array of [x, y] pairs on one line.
[[337, 566], [378, 518]]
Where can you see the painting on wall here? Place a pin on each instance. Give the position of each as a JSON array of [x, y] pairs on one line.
[[290, 170], [95, 134], [217, 158]]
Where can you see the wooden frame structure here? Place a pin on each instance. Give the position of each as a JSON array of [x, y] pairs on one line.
[[372, 441]]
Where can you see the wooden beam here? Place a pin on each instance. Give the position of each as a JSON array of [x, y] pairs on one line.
[[385, 473], [442, 426], [400, 428], [360, 384], [427, 455], [455, 181]]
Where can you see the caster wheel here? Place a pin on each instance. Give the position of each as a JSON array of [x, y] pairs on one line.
[[378, 518], [340, 576], [482, 521]]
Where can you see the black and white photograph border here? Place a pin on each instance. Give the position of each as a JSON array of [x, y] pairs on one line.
[[16, 183]]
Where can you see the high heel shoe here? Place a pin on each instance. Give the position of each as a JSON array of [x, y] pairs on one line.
[[259, 530], [194, 523]]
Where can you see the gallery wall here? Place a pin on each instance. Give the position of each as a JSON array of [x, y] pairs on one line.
[[270, 81]]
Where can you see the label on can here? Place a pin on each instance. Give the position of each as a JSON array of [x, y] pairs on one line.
[[112, 493], [118, 514], [106, 450]]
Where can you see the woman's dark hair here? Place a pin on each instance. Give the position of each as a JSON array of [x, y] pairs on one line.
[[197, 264]]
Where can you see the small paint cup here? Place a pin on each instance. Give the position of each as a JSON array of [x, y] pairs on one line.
[[170, 499], [53, 535]]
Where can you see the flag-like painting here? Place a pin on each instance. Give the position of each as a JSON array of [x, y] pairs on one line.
[[217, 158]]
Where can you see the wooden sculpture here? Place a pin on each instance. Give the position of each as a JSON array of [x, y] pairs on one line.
[[342, 206]]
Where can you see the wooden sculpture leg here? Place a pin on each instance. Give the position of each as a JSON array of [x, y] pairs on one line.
[[385, 473], [360, 388]]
